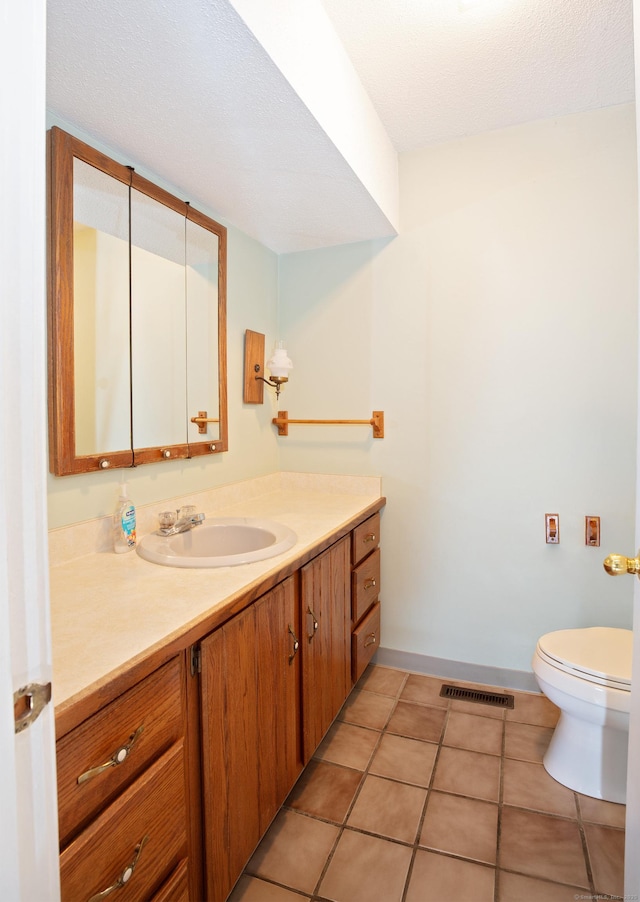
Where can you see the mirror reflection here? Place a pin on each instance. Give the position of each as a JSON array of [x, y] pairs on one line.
[[158, 323], [100, 311], [202, 254]]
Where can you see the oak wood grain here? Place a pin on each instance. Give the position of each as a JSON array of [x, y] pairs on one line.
[[153, 807], [157, 705]]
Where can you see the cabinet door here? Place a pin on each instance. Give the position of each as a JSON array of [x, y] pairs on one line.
[[326, 641], [250, 730], [229, 752], [278, 657]]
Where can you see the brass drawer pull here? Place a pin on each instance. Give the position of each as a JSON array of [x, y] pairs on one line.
[[119, 756], [370, 640], [296, 645], [369, 583], [124, 877], [315, 623], [370, 537]]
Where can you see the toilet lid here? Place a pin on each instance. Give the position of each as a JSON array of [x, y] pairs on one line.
[[599, 652]]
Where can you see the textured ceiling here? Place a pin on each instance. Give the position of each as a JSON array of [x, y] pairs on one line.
[[442, 69], [182, 89]]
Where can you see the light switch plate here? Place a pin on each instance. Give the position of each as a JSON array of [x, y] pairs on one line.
[[592, 531], [552, 529]]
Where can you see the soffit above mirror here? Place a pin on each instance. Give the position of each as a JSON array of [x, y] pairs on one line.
[[185, 90]]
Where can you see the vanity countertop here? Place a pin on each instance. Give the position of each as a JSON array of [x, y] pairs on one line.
[[110, 611]]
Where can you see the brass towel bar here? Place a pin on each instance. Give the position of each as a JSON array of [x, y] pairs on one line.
[[282, 421]]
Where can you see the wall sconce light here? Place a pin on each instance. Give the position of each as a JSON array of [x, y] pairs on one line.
[[279, 365]]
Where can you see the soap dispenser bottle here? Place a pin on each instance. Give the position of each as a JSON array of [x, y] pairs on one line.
[[124, 522]]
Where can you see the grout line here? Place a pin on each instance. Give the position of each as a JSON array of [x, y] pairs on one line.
[[583, 840], [416, 844], [314, 894], [342, 827], [496, 886]]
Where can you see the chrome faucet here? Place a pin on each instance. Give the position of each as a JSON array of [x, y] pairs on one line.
[[182, 525]]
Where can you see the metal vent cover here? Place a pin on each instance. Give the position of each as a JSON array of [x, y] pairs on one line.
[[497, 699]]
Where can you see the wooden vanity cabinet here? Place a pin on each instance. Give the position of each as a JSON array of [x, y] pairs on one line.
[[167, 790], [365, 591], [123, 790]]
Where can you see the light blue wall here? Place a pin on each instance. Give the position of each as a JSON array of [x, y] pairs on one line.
[[498, 333]]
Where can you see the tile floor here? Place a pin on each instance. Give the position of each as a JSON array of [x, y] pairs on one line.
[[414, 798]]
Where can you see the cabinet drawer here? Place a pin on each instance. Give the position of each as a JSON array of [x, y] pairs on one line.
[[152, 812], [365, 585], [176, 888], [155, 705], [365, 639], [365, 538]]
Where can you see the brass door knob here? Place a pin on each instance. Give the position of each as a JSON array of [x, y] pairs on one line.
[[617, 564]]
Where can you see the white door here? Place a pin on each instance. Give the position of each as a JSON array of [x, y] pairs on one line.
[[28, 816], [632, 844], [632, 841]]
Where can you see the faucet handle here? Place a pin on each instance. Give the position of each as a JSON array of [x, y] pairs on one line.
[[187, 511], [167, 519]]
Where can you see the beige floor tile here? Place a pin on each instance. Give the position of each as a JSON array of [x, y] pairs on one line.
[[477, 709], [347, 832], [540, 845], [366, 868], [469, 731], [417, 721], [425, 690], [408, 760], [533, 709], [460, 826], [606, 853], [437, 878], [388, 808], [528, 785], [383, 680], [294, 851], [349, 745], [526, 742], [325, 790], [597, 811], [468, 773], [516, 888], [252, 889], [367, 709]]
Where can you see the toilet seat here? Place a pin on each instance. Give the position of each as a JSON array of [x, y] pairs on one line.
[[599, 655]]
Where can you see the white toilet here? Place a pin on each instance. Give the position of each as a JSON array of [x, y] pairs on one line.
[[587, 674]]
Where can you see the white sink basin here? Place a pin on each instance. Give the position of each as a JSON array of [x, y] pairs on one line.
[[219, 542]]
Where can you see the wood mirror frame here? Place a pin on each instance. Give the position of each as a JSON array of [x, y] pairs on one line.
[[64, 459]]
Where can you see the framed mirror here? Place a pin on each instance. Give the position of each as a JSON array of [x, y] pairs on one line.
[[137, 318]]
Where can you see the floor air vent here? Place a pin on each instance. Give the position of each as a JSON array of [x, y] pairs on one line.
[[476, 695]]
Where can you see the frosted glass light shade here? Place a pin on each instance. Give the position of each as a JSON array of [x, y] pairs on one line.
[[279, 363]]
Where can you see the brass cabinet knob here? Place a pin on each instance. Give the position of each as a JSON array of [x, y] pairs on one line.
[[617, 564]]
